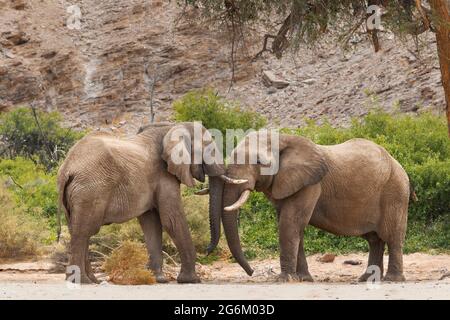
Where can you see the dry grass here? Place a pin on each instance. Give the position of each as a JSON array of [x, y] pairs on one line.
[[196, 210], [112, 236], [127, 265], [21, 235]]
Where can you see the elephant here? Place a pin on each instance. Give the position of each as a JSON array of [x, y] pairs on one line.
[[106, 179], [355, 188]]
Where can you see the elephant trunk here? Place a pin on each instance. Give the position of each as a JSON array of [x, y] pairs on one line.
[[216, 185], [230, 226]]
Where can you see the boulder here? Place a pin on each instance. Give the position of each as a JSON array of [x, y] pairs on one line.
[[271, 80]]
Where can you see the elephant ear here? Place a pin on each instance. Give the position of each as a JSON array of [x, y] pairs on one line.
[[177, 153], [301, 164]]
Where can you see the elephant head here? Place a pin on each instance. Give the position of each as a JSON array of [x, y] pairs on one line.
[[191, 153], [297, 163]]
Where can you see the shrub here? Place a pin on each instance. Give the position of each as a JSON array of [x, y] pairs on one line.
[[36, 135], [127, 265], [196, 210], [20, 236], [114, 235], [33, 187], [259, 226], [215, 112], [431, 181]]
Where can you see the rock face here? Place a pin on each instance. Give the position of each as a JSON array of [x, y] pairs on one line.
[[329, 83], [94, 75]]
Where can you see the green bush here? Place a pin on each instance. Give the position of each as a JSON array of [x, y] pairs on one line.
[[215, 112], [36, 135], [20, 235], [33, 187], [33, 144]]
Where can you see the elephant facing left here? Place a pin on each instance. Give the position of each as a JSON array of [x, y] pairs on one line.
[[105, 179]]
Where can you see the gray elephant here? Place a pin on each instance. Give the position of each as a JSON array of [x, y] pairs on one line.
[[105, 179], [353, 189]]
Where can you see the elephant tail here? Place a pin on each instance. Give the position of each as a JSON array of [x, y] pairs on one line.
[[63, 182], [412, 193]]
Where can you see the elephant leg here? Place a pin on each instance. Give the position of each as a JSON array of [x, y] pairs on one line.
[[395, 265], [289, 236], [393, 232], [88, 267], [152, 228], [78, 251], [295, 214], [175, 224], [376, 252], [82, 227], [302, 266]]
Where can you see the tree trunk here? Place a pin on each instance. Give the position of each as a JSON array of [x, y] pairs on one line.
[[441, 10]]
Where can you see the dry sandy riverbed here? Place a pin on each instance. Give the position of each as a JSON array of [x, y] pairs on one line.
[[427, 276]]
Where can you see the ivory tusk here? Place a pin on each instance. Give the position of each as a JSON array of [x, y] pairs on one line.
[[202, 192], [232, 181], [242, 199]]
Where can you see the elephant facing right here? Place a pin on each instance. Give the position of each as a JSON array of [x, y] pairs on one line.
[[353, 189]]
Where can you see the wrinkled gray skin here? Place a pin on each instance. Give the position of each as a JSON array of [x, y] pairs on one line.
[[106, 180], [354, 189]]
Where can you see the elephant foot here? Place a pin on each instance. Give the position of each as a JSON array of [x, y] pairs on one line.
[[84, 279], [93, 279], [365, 276], [287, 277], [305, 277], [185, 277], [394, 277], [91, 276], [160, 278]]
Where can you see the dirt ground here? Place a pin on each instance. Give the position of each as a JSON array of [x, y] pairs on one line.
[[428, 277]]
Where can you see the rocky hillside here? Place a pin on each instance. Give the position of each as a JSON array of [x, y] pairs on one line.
[[95, 75]]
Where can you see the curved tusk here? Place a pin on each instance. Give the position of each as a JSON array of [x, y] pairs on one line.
[[202, 192], [232, 181], [242, 199]]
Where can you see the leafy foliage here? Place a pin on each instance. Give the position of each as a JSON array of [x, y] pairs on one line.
[[33, 187], [20, 235], [36, 135], [215, 112], [306, 21]]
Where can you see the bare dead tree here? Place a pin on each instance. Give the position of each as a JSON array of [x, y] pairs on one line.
[[52, 156], [151, 81]]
